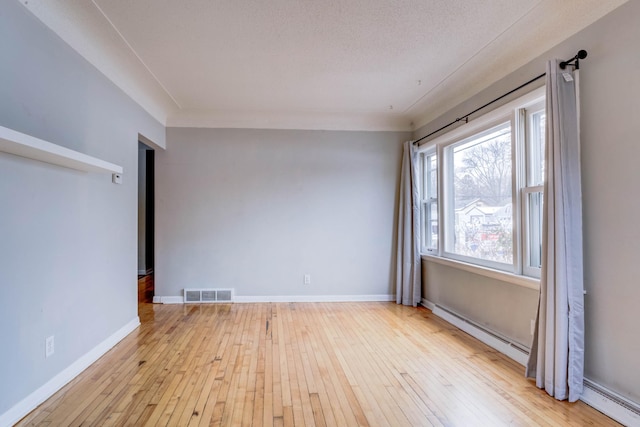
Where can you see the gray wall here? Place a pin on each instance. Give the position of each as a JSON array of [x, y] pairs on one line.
[[255, 210], [508, 310], [610, 151], [67, 239]]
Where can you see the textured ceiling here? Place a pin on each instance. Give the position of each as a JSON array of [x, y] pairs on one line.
[[334, 64]]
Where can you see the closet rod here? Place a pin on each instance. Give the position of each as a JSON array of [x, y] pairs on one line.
[[580, 55]]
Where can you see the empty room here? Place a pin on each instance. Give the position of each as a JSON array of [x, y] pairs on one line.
[[330, 213]]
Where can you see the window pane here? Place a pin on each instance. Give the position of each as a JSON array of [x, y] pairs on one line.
[[482, 187], [430, 202], [536, 144], [432, 176], [432, 226], [535, 229]]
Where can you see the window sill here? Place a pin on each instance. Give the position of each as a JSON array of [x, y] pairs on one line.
[[524, 281]]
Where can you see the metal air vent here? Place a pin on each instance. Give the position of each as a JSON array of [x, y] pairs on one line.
[[208, 295]]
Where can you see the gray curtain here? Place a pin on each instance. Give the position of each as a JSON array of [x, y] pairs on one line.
[[408, 283], [556, 360]]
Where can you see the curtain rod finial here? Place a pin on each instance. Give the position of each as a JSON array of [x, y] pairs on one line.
[[580, 55]]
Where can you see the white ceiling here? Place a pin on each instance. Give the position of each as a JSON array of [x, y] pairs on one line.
[[310, 64]]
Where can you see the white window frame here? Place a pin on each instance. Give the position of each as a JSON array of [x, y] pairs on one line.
[[427, 201], [514, 112], [527, 269], [528, 188], [448, 202]]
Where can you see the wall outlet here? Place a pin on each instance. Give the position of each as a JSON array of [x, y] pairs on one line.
[[49, 346], [533, 326], [307, 279]]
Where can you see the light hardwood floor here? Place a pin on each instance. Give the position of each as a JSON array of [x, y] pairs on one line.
[[303, 364]]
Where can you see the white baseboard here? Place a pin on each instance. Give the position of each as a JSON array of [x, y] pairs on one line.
[[428, 304], [168, 300], [611, 403], [315, 298], [290, 298], [29, 403], [502, 345]]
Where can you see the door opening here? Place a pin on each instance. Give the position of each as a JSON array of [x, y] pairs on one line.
[[146, 195]]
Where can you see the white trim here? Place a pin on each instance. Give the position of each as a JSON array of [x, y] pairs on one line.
[[29, 403], [516, 279], [501, 345], [316, 298], [290, 120], [290, 298], [20, 144], [525, 210], [599, 400], [168, 300], [428, 304]]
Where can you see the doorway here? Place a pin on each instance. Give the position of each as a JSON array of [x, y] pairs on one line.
[[146, 196]]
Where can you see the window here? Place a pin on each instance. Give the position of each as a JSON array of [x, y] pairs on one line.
[[482, 189], [479, 217], [532, 193], [429, 203]]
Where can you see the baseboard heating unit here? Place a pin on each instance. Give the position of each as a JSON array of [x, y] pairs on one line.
[[208, 295], [611, 403], [595, 395], [504, 345]]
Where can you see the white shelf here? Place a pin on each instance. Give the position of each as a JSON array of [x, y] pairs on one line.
[[30, 147]]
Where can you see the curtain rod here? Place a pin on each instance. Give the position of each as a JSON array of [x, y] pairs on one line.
[[580, 55]]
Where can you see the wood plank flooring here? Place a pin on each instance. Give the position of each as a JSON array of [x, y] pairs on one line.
[[145, 288], [303, 364]]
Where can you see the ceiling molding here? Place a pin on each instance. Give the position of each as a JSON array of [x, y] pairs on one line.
[[296, 120], [83, 27], [343, 65]]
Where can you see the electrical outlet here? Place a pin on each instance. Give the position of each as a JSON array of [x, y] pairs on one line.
[[307, 279], [533, 326], [49, 346]]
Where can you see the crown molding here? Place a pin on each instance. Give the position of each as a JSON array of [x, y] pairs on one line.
[[293, 120]]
